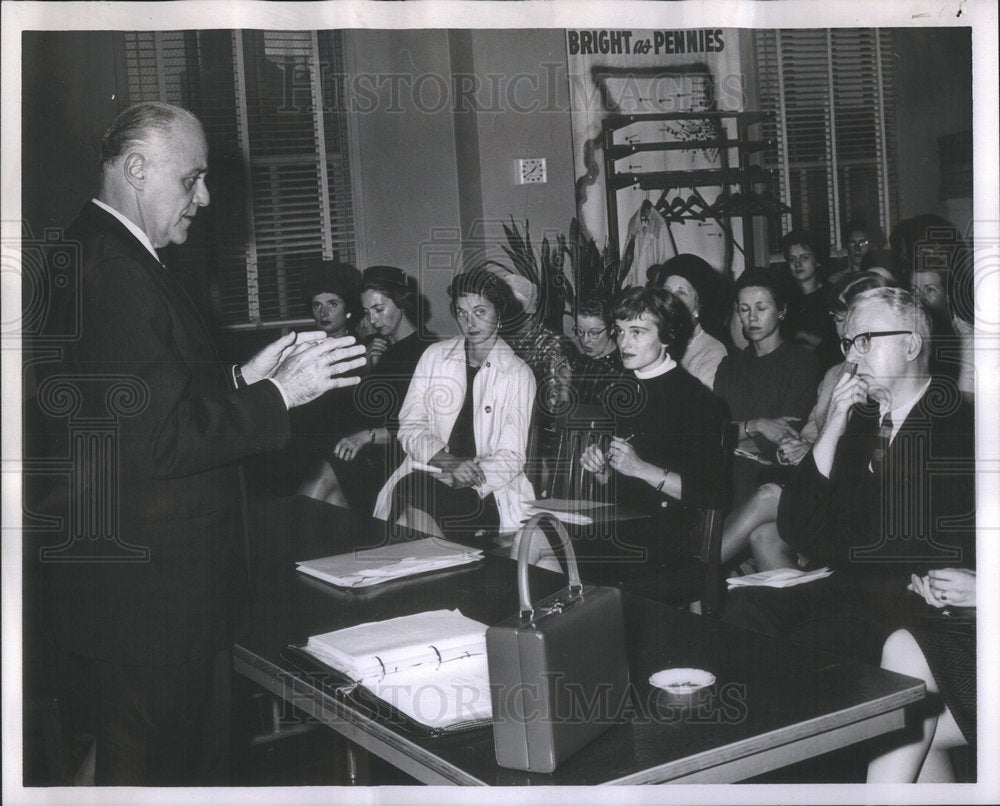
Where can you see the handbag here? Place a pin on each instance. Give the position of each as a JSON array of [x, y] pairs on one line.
[[558, 671]]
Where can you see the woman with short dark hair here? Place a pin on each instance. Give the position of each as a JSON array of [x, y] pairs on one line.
[[464, 423], [391, 301], [333, 295], [860, 238], [363, 460], [596, 364], [665, 458], [770, 385], [806, 321], [753, 525], [331, 291]]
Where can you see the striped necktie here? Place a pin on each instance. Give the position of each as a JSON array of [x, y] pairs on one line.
[[882, 444]]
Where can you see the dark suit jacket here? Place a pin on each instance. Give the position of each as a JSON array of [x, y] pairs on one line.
[[145, 362], [919, 513]]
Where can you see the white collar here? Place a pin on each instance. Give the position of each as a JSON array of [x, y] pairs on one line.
[[131, 226], [501, 352], [662, 368]]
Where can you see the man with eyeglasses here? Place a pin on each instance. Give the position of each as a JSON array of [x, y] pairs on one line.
[[860, 237], [886, 492]]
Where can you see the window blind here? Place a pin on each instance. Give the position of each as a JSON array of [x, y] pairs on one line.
[[831, 94], [279, 161]]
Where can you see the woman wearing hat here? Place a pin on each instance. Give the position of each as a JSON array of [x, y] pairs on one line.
[[332, 289], [363, 460], [464, 423], [391, 301], [702, 290], [331, 293]]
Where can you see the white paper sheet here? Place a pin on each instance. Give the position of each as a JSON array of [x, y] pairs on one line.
[[778, 578], [359, 569]]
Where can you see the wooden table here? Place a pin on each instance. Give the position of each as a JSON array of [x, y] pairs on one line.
[[774, 704]]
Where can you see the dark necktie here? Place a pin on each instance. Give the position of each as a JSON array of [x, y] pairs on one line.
[[882, 443]]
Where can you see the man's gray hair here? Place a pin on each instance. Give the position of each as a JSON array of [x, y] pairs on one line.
[[137, 124], [905, 305]]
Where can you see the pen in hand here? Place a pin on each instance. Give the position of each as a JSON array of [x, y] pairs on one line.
[[607, 460]]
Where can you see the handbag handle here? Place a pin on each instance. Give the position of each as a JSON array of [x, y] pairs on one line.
[[528, 531]]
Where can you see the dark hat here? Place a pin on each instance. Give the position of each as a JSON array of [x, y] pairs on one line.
[[334, 277], [713, 288], [387, 275], [698, 272]]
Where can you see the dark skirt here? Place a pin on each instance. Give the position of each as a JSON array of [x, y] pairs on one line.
[[950, 649], [361, 478], [460, 513]]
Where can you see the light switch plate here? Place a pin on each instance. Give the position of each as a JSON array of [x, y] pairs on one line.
[[531, 170]]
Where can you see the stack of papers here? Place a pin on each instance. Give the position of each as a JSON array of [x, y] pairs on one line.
[[778, 578], [568, 510], [360, 569], [430, 666]]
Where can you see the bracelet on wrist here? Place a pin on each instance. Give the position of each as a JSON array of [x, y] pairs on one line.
[[663, 480]]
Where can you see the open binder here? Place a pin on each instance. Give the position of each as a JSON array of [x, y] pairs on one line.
[[430, 667]]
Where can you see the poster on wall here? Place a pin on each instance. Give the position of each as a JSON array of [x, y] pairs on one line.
[[650, 135]]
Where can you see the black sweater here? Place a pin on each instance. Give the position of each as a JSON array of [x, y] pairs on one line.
[[676, 424]]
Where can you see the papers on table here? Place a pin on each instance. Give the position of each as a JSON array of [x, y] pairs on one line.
[[568, 510], [360, 569], [430, 666], [778, 578]]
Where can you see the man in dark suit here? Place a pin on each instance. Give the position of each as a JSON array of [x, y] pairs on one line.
[[887, 491], [145, 587]]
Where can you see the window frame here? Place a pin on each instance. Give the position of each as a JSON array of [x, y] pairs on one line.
[[785, 67], [257, 285]]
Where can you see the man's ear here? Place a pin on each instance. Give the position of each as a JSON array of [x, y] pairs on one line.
[[915, 346], [134, 167]]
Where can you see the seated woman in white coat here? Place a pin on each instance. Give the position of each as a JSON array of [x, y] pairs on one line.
[[464, 423]]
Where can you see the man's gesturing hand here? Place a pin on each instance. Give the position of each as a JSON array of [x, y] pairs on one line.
[[267, 360], [309, 370]]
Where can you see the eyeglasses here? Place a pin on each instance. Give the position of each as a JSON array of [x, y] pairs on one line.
[[859, 244], [862, 343], [589, 335]]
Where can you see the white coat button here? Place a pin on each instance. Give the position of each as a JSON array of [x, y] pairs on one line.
[[489, 409]]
